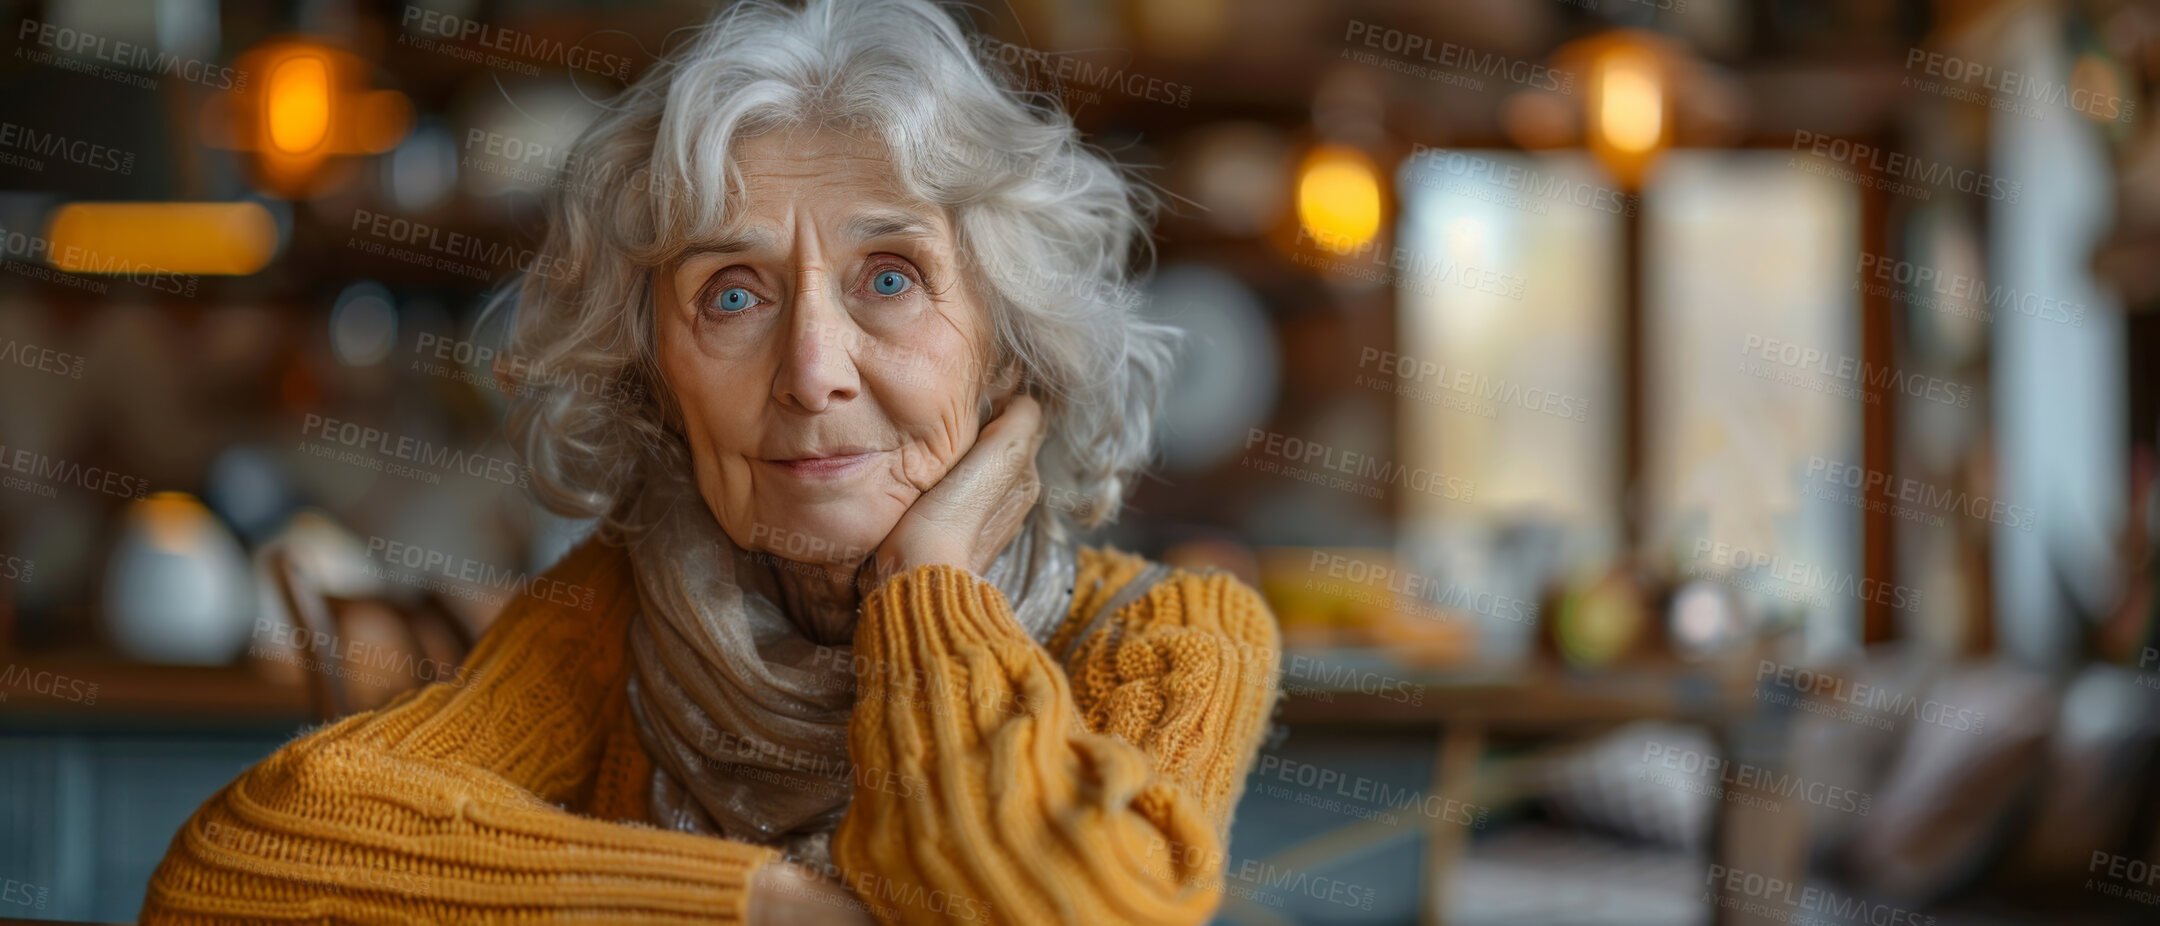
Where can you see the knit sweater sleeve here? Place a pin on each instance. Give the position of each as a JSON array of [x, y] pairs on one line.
[[1022, 794], [448, 805]]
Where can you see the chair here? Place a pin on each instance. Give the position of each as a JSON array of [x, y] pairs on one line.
[[430, 630]]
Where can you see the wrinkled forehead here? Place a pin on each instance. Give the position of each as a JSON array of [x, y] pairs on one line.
[[797, 143], [845, 181]]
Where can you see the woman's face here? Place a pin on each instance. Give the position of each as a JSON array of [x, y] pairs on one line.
[[826, 356]]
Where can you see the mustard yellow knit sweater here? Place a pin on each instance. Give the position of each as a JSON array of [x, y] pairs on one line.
[[1026, 790]]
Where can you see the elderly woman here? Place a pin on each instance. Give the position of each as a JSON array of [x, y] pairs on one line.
[[842, 660]]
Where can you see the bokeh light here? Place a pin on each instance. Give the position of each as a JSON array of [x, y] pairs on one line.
[[363, 324], [298, 104], [135, 239], [1338, 197], [1631, 102]]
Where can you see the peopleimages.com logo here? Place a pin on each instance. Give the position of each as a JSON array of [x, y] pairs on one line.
[[433, 25], [1405, 268], [1835, 687], [1718, 777], [480, 575], [1537, 185], [1362, 473], [35, 465], [1881, 162], [413, 450], [1458, 57], [477, 364], [1411, 586], [342, 652], [1414, 372], [77, 151], [67, 41], [469, 255], [1060, 69], [2124, 877], [1959, 294], [24, 894], [1369, 792], [23, 251], [2004, 89], [1799, 575], [41, 359], [1880, 490], [1254, 881], [1849, 375], [48, 684], [1780, 900]]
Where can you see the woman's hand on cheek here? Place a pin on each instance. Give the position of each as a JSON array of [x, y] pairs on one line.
[[976, 508]]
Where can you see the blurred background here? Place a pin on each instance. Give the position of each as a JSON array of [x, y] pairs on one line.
[[1701, 452]]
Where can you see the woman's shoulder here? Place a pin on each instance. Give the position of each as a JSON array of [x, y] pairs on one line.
[[1102, 571], [584, 599], [556, 648], [1114, 588], [536, 688]]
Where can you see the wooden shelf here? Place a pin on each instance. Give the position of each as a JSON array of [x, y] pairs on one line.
[[57, 690]]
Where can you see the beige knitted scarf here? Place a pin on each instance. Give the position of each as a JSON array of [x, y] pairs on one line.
[[745, 713]]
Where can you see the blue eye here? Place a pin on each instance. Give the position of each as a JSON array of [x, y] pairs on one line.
[[889, 283], [735, 299]]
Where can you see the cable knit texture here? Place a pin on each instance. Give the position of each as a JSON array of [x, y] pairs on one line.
[[993, 784]]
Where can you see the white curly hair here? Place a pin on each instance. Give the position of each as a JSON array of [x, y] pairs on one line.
[[1050, 231]]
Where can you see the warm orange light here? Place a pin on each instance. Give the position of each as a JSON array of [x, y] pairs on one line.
[[1338, 197], [1631, 102], [297, 104], [1627, 114], [308, 115], [229, 239], [173, 520]]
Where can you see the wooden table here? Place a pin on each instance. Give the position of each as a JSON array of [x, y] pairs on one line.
[[1465, 706]]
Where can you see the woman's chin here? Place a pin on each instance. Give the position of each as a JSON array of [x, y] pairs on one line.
[[839, 532]]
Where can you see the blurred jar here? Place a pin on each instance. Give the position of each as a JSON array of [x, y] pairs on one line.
[[178, 588]]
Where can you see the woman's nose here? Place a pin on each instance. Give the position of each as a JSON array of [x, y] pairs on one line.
[[818, 368]]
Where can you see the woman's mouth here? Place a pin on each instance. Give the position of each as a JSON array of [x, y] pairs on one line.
[[825, 467]]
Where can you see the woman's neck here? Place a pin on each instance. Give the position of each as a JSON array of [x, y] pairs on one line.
[[820, 599]]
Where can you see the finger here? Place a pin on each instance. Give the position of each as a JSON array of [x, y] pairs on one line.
[[1005, 451], [985, 480], [1022, 417], [1041, 431], [970, 502]]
